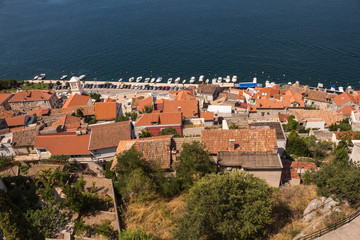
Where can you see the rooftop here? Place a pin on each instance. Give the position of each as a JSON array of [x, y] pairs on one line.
[[69, 122], [145, 102], [25, 137], [269, 125], [207, 116], [105, 110], [4, 96], [16, 120], [76, 100], [249, 160], [32, 95], [39, 112], [328, 116], [159, 119], [189, 108], [345, 97], [207, 88]]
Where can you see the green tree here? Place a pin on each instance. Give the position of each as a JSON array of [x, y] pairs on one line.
[[344, 125], [291, 125], [234, 126], [134, 235], [145, 134], [122, 118], [227, 206], [139, 186], [58, 83], [105, 229], [169, 131], [95, 96], [147, 109], [194, 163], [67, 84], [12, 221], [296, 145], [79, 113]]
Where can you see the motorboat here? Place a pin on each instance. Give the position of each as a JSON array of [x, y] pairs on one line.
[[227, 79], [131, 79], [147, 80], [63, 77], [184, 81], [254, 80], [169, 80], [120, 80], [152, 80], [177, 80], [219, 79], [213, 80], [36, 77], [201, 78], [138, 79], [192, 80], [82, 77], [234, 79], [159, 79], [42, 76], [207, 81]]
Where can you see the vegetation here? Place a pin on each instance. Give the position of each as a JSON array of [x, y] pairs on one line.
[[62, 158], [5, 161], [147, 109], [291, 125], [128, 116], [227, 206], [145, 134], [39, 85], [194, 163], [9, 84], [296, 145], [79, 113], [95, 96], [134, 235], [169, 131], [234, 126], [344, 125]]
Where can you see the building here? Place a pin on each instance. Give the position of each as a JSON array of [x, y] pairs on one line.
[[104, 138], [107, 111], [23, 141], [208, 91], [292, 171], [33, 99], [208, 118], [355, 155], [4, 101], [343, 100], [355, 120], [69, 123], [75, 86], [77, 100], [20, 121], [155, 122], [146, 102], [189, 108], [220, 110], [318, 119], [155, 150]]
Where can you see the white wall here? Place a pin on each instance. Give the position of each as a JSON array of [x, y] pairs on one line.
[[316, 124]]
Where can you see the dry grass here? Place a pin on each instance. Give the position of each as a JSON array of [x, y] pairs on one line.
[[157, 217]]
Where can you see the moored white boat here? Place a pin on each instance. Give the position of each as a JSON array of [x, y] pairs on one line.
[[131, 79], [227, 79], [169, 80], [213, 80], [120, 80], [63, 77], [177, 80], [192, 80], [36, 77], [147, 80], [234, 79], [219, 79], [82, 77], [159, 79], [184, 81], [138, 79], [207, 81], [152, 80], [42, 76], [201, 78]]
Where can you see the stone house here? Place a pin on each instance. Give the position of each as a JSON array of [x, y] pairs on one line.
[[33, 99], [107, 111], [355, 120], [343, 100], [4, 101], [23, 141], [319, 119], [77, 100], [208, 118], [208, 91], [189, 108]]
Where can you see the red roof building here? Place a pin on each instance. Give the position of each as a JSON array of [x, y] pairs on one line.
[[155, 122], [77, 100], [189, 108]]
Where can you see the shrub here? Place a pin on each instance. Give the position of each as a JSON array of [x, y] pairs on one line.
[[234, 126], [297, 146], [139, 186], [344, 125], [105, 229], [169, 131], [62, 158], [134, 235], [227, 206], [145, 134]]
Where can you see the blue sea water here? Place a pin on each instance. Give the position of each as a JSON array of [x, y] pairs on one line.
[[280, 40]]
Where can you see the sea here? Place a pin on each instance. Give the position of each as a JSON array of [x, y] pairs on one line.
[[284, 41]]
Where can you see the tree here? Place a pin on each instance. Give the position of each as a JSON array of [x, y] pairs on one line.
[[58, 83], [194, 163], [145, 134], [139, 186], [147, 109], [95, 96], [344, 125], [227, 206], [129, 161], [296, 145], [79, 113], [169, 131], [134, 235], [12, 221], [234, 126], [67, 84], [291, 125]]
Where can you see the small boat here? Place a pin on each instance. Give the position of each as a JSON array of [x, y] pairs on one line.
[[169, 80], [63, 77], [36, 77], [82, 77], [201, 78], [184, 81], [138, 79], [234, 79], [207, 81], [219, 79], [177, 80], [42, 76], [227, 79], [152, 80], [147, 80], [120, 80], [159, 79], [254, 80], [131, 79], [192, 80], [214, 80]]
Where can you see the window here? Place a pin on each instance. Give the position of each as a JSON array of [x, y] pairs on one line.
[[42, 150], [262, 114], [268, 113]]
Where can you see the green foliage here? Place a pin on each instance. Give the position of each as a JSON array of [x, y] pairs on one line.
[[5, 161], [92, 120], [169, 131], [62, 158], [12, 221], [58, 83], [128, 116], [145, 134], [147, 109], [108, 173], [344, 125], [296, 145], [319, 149], [227, 206], [348, 135], [122, 118], [47, 220], [9, 84], [339, 179], [105, 229], [79, 113], [67, 84], [234, 126], [194, 163], [134, 235], [129, 161], [32, 86], [140, 186], [80, 227], [95, 96], [291, 125]]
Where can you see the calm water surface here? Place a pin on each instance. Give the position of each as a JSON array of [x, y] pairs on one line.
[[282, 40]]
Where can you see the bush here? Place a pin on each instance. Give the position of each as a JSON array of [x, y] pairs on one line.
[[139, 186], [291, 125], [62, 158], [134, 235], [227, 206], [169, 131], [296, 145], [344, 125], [95, 96], [145, 134], [105, 229], [234, 126]]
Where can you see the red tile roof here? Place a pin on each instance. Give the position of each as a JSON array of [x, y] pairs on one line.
[[16, 121], [207, 116], [76, 100], [159, 119], [329, 117], [145, 102], [6, 114], [346, 110], [153, 149], [189, 108], [67, 143], [69, 122], [32, 95], [105, 110], [4, 96], [245, 140], [343, 98], [39, 112], [184, 95], [109, 134], [284, 117]]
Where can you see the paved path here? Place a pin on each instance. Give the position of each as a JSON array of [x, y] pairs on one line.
[[350, 231]]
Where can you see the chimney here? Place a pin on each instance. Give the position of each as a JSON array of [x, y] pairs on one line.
[[179, 109], [231, 144]]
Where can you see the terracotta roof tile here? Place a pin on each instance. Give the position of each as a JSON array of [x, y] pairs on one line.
[[184, 95], [25, 137], [67, 143], [105, 110], [189, 108], [16, 121], [39, 112], [207, 116], [32, 95], [244, 140], [343, 98], [208, 89], [284, 117], [145, 102], [346, 110], [159, 119], [328, 116], [109, 134], [69, 122], [4, 96], [6, 114], [76, 100]]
